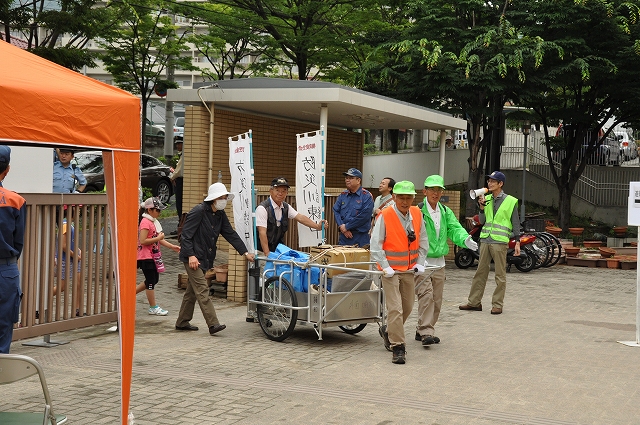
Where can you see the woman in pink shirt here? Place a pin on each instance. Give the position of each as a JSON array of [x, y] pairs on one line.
[[150, 237]]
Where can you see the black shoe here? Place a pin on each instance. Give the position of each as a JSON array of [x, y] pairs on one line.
[[418, 336], [382, 330], [216, 328], [175, 232], [428, 340], [470, 307], [436, 340], [399, 354], [188, 327]]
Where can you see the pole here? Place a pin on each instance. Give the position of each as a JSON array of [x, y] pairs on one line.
[[526, 127]]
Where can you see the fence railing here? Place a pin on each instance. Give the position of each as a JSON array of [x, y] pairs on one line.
[[597, 185], [67, 275], [291, 237]]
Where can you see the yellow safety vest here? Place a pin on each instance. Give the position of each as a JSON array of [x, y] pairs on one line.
[[499, 227]]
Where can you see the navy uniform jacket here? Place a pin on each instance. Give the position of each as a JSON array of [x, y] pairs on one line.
[[13, 212], [354, 210]]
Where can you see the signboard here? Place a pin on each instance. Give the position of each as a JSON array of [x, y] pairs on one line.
[[310, 185], [242, 185], [633, 216]]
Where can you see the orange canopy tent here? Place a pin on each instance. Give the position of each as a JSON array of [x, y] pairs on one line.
[[44, 104]]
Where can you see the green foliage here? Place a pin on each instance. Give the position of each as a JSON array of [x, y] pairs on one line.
[[171, 161], [138, 52], [369, 149], [44, 23]]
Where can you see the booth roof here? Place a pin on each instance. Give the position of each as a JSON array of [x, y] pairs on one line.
[[301, 101]]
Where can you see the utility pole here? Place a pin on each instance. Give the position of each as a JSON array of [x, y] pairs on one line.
[[169, 118]]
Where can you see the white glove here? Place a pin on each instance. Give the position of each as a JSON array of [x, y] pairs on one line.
[[471, 244], [388, 272], [419, 269]]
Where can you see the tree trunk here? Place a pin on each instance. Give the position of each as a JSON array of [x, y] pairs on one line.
[[417, 140], [564, 208], [393, 138]]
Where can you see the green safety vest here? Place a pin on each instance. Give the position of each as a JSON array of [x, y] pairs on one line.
[[499, 227]]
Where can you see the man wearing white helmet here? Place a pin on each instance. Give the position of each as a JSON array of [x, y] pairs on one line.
[[204, 223]]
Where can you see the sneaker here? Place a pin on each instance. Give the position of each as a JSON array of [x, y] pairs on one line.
[[428, 340], [436, 340], [399, 354], [382, 330], [157, 311]]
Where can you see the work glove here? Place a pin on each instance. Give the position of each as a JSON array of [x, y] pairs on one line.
[[419, 268], [388, 272], [471, 244]]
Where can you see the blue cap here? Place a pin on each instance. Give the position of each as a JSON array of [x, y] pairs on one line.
[[353, 172], [497, 175], [5, 154]]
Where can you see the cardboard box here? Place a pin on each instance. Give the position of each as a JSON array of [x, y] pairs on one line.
[[340, 256]]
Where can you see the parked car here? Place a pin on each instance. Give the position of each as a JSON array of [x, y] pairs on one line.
[[178, 127], [607, 152], [628, 146], [153, 173], [152, 129]]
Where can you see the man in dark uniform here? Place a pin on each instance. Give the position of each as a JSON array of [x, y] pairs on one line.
[[353, 210], [272, 217], [13, 211]]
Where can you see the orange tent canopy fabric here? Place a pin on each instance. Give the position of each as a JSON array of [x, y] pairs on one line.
[[44, 104]]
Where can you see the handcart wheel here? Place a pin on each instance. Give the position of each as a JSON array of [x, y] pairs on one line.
[[277, 321], [353, 329]]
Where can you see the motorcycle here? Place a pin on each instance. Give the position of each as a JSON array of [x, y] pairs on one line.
[[525, 262]]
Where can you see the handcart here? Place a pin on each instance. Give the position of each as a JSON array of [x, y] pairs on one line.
[[277, 306]]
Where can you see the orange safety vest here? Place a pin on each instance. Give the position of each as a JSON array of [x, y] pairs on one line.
[[401, 254]]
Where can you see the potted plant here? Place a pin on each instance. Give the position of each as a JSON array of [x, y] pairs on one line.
[[620, 231], [576, 231]]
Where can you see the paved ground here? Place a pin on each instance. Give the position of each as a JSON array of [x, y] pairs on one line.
[[551, 358]]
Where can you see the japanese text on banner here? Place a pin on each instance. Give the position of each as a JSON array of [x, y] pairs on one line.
[[310, 185], [241, 167]]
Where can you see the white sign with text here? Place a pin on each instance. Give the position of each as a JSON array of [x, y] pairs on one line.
[[310, 185], [242, 186]]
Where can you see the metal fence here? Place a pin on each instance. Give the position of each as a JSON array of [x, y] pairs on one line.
[[67, 275], [597, 185]]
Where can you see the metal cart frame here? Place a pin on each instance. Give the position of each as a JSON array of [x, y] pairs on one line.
[[277, 307]]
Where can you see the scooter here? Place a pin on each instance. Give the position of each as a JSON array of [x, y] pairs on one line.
[[525, 262]]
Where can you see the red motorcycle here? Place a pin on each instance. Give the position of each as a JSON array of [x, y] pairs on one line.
[[525, 262]]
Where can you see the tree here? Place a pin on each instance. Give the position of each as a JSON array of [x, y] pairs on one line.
[[227, 43], [301, 38], [138, 53], [43, 24], [595, 80], [464, 58]]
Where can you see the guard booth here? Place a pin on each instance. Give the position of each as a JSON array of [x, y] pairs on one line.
[[276, 110]]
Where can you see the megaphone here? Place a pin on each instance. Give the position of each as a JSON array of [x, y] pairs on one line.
[[475, 193]]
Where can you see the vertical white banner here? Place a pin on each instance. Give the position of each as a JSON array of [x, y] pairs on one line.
[[242, 185], [310, 185]]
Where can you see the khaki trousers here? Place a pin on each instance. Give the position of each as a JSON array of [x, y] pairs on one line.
[[398, 291], [429, 292], [197, 290], [489, 251]]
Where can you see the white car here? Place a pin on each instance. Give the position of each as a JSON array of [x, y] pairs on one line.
[[178, 127], [154, 130]]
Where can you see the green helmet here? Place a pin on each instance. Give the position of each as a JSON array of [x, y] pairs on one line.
[[434, 181], [404, 188]]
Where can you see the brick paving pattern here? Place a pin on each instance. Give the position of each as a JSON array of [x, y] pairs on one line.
[[551, 358]]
